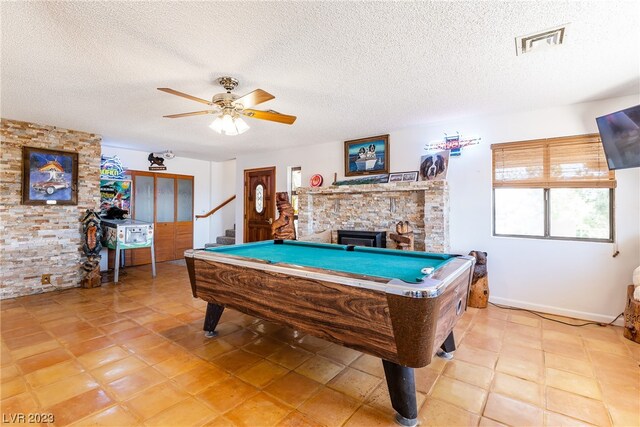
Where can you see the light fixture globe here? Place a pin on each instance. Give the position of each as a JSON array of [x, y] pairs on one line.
[[229, 123]]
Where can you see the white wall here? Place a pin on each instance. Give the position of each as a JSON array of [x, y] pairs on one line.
[[201, 171], [579, 279], [223, 181]]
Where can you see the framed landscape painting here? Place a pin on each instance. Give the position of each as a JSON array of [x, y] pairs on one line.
[[49, 177], [366, 156]]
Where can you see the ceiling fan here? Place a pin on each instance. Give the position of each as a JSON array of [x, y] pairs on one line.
[[229, 107]]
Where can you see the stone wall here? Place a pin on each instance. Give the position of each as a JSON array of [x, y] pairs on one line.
[[36, 240], [378, 207]]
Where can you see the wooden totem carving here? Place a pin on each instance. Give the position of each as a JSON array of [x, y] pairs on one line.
[[479, 293], [403, 237], [283, 227], [91, 246]]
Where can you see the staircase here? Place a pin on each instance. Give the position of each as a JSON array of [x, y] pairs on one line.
[[229, 238]]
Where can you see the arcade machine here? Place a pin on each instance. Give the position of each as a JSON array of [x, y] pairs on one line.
[[121, 233]]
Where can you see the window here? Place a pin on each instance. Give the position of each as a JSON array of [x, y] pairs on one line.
[[295, 181], [559, 188]]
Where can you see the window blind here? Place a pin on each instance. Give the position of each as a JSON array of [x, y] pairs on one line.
[[567, 162]]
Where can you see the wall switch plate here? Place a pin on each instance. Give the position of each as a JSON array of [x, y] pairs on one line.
[[46, 279]]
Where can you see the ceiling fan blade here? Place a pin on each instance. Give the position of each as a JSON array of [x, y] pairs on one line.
[[185, 95], [271, 116], [195, 113], [256, 97]]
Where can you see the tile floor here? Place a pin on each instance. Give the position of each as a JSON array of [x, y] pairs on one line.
[[135, 354]]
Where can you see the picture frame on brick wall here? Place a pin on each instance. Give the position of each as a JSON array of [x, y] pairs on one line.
[[366, 156], [49, 177]]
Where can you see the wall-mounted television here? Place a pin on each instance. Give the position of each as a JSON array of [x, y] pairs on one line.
[[620, 135]]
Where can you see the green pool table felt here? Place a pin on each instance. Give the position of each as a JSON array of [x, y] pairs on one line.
[[377, 262]]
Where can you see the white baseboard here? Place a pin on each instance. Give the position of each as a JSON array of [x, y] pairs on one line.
[[583, 315]]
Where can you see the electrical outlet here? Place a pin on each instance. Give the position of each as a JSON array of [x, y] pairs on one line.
[[46, 279]]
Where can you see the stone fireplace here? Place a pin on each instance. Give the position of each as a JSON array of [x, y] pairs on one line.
[[378, 207]]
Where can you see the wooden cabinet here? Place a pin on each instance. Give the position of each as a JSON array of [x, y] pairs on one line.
[[167, 201]]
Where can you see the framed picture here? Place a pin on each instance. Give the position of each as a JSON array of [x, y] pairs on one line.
[[49, 177], [403, 176], [366, 156], [434, 166]]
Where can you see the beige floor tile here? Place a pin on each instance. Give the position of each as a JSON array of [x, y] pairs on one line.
[[476, 356], [12, 388], [329, 407], [178, 364], [320, 369], [369, 364], [518, 388], [262, 373], [118, 369], [189, 412], [298, 419], [80, 406], [488, 422], [469, 373], [53, 373], [200, 378], [290, 357], [8, 372], [565, 348], [370, 417], [574, 383], [568, 364], [64, 389], [354, 383], [227, 394], [114, 416], [155, 400], [263, 346], [134, 383], [553, 419], [236, 360], [524, 320], [425, 379], [42, 360], [259, 410], [575, 406], [312, 344], [213, 349], [293, 389], [241, 337], [102, 357], [484, 341], [518, 367], [340, 354], [461, 394], [511, 411], [436, 412]]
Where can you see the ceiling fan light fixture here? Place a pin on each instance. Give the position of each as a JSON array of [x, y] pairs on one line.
[[226, 124]]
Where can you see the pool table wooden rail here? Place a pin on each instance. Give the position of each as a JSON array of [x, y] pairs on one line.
[[406, 330]]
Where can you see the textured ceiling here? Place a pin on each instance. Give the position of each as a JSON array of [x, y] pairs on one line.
[[346, 69]]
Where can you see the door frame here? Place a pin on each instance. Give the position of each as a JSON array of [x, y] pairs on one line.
[[245, 200]]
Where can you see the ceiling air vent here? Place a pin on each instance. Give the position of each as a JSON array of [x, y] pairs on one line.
[[542, 40]]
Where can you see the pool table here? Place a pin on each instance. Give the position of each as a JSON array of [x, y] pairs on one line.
[[400, 306]]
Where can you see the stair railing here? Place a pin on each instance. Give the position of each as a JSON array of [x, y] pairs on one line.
[[217, 208]]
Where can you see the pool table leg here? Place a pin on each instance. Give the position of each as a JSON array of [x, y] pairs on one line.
[[447, 347], [402, 390], [211, 319]]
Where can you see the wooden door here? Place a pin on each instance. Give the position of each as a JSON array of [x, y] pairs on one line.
[[167, 201], [144, 208], [184, 215], [259, 203], [165, 227]]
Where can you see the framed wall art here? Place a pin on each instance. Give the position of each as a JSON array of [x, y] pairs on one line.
[[403, 176], [366, 156], [49, 177]]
